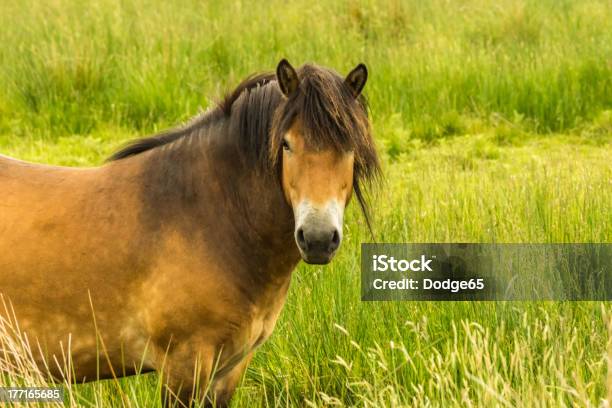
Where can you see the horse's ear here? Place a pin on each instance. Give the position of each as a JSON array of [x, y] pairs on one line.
[[287, 78], [356, 79]]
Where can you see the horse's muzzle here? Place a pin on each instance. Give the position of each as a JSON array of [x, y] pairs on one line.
[[318, 231], [317, 245]]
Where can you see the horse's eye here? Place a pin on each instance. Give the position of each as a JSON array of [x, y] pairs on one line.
[[285, 145]]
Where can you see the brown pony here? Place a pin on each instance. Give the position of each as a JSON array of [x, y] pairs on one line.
[[176, 255]]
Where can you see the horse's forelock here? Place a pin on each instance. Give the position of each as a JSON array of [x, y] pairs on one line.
[[330, 117]]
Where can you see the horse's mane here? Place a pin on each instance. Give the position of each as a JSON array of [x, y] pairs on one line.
[[165, 137]]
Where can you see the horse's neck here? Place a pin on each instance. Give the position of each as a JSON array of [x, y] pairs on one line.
[[238, 210], [260, 223]]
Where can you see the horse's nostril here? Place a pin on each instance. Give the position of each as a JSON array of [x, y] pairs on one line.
[[335, 241], [301, 241]]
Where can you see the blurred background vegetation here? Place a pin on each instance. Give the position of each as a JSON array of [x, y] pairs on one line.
[[438, 68]]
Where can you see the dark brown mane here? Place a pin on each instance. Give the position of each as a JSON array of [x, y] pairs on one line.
[[257, 115], [223, 109], [166, 137], [248, 84]]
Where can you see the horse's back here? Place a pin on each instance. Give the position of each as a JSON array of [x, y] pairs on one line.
[[60, 222], [35, 194], [62, 251]]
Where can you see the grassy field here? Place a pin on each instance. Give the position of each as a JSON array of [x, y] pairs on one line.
[[494, 122]]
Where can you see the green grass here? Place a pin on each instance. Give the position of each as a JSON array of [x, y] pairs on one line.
[[494, 121]]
